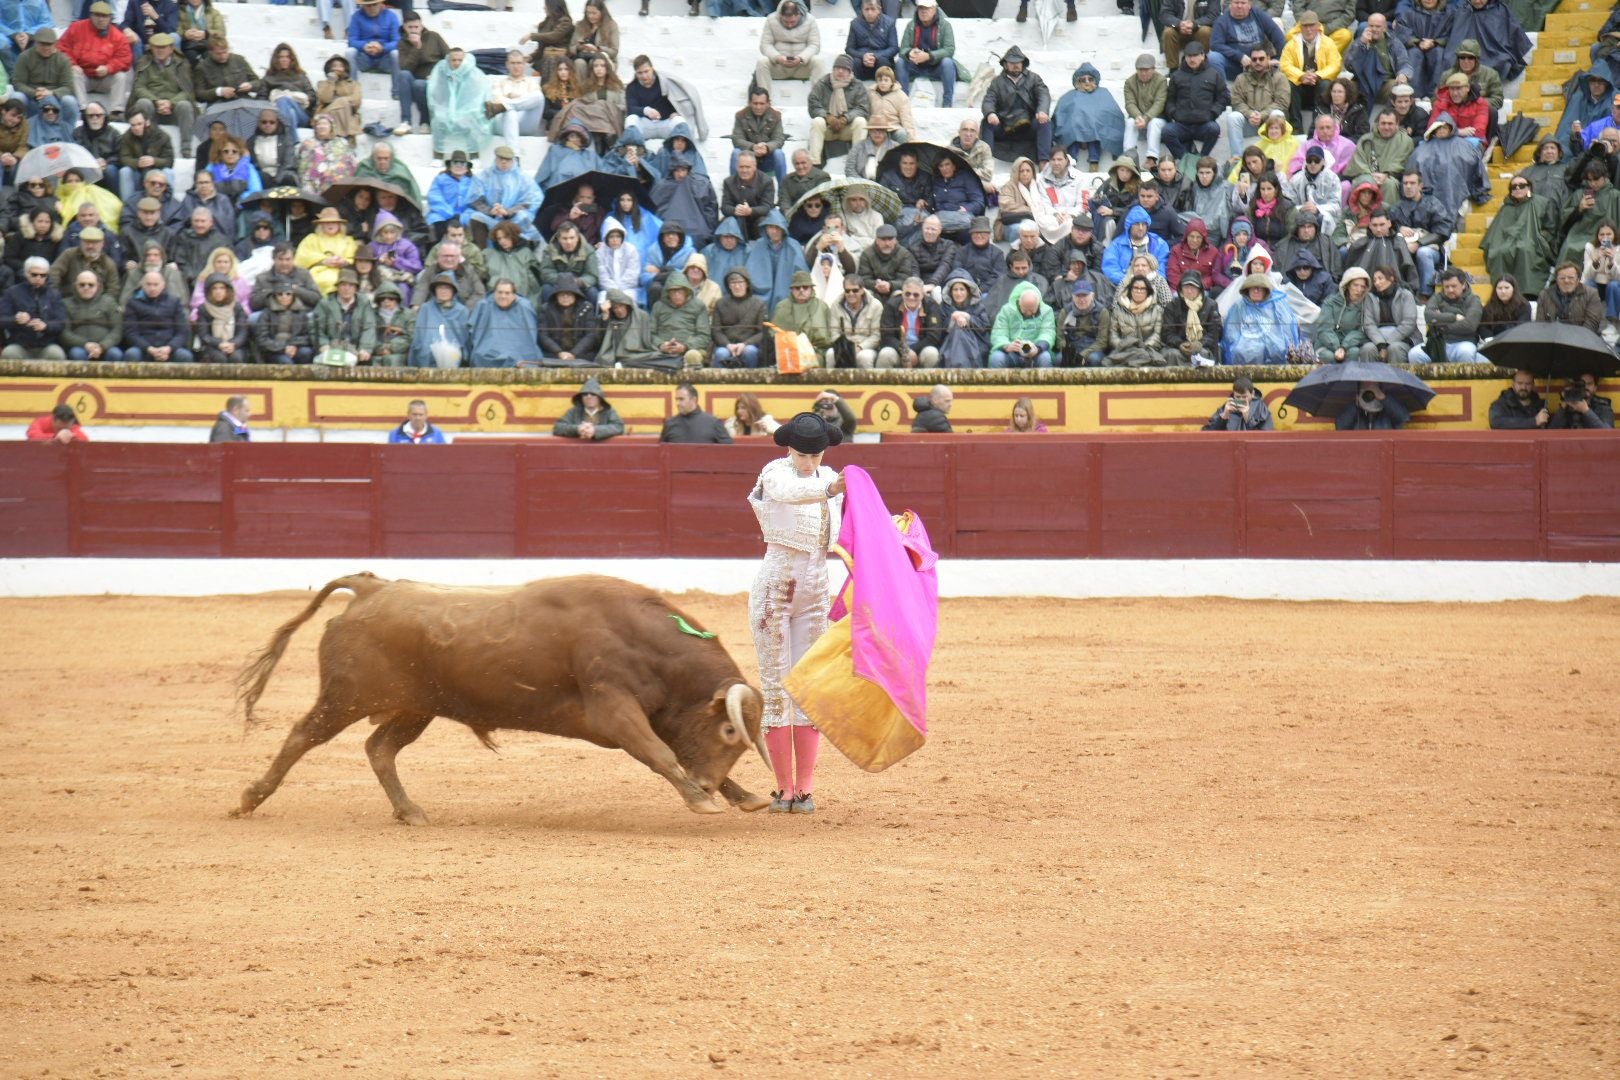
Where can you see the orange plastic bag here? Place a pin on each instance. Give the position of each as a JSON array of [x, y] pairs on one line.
[[794, 352]]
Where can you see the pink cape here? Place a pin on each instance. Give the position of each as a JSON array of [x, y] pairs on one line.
[[896, 591]]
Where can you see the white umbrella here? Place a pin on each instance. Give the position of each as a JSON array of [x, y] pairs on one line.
[[54, 159]]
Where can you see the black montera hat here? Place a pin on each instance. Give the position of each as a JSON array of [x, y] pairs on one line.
[[808, 434]]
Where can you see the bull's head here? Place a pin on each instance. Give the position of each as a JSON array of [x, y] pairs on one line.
[[714, 735]]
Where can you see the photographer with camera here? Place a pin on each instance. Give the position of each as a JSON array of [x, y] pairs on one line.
[[1581, 407], [836, 411], [1372, 410], [1243, 411]]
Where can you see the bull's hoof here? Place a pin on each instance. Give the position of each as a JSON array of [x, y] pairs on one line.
[[240, 811], [706, 806], [410, 815], [752, 802]]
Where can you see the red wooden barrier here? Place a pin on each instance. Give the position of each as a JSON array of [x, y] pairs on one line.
[[1402, 495]]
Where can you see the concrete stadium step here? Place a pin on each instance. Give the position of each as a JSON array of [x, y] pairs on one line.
[[1481, 289], [1475, 222], [1586, 18]]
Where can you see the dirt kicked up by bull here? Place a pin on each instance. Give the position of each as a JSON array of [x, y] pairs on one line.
[[588, 657]]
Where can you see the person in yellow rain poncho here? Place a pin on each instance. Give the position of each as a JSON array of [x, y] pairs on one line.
[[73, 192], [327, 251]]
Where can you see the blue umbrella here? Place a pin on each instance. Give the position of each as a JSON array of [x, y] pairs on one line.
[[1328, 389]]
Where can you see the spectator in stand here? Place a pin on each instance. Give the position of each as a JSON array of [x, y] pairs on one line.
[[32, 316], [789, 46], [60, 425], [142, 148], [1245, 410], [802, 312], [932, 252], [1084, 328], [933, 411], [18, 23], [415, 429], [885, 264], [857, 319], [872, 41], [1381, 156], [1586, 208], [1382, 247], [977, 153], [1192, 324], [1316, 189], [146, 228], [1484, 80], [591, 418], [1424, 225], [505, 193], [1506, 308], [839, 106], [1377, 60], [88, 254], [1425, 27], [327, 251], [1337, 150], [441, 318], [737, 323], [1260, 91], [43, 72], [284, 271], [1372, 410], [796, 184], [1388, 319], [281, 327], [374, 42], [1197, 97], [1087, 118], [1024, 330], [1017, 107], [345, 321], [163, 90], [456, 92], [647, 104], [1261, 327], [912, 329], [1233, 34], [451, 195], [1490, 23], [197, 23], [289, 88], [1146, 94], [517, 100], [1601, 271], [155, 325], [1185, 21], [1568, 300], [221, 325], [101, 58], [747, 195], [13, 140], [1452, 316], [1337, 331], [928, 49], [748, 417], [503, 331], [680, 324], [1310, 61], [757, 130], [95, 322], [420, 50], [687, 201], [979, 257], [222, 75], [1135, 240], [232, 425], [691, 424], [569, 329]]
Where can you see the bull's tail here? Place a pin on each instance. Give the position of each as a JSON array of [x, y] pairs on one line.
[[255, 676]]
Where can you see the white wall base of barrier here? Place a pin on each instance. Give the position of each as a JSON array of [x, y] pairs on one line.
[[1244, 579]]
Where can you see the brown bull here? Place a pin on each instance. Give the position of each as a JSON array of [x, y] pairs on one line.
[[591, 658]]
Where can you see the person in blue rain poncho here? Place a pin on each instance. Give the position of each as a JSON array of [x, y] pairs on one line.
[[627, 157], [679, 142], [503, 329], [441, 317], [1261, 327], [1088, 119], [570, 156], [726, 250], [452, 194], [772, 259], [504, 194]]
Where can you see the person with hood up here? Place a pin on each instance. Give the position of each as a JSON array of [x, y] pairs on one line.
[[680, 323], [619, 263], [628, 157], [1211, 198], [1337, 333], [1135, 239], [669, 254], [398, 260], [1197, 97], [933, 411], [1192, 324], [590, 417], [1306, 274], [1496, 34], [1389, 319], [1017, 106], [627, 337], [1195, 254], [726, 250], [1088, 119], [1595, 107], [281, 330], [221, 324], [1116, 194], [1260, 328], [573, 154], [440, 317], [395, 325], [1519, 241], [456, 93], [966, 342], [1024, 330], [738, 323], [1365, 200], [773, 260], [687, 200], [1372, 410], [503, 330], [1136, 327], [1593, 202], [1308, 236], [1234, 254], [569, 331]]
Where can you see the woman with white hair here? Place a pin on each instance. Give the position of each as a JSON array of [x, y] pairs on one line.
[[32, 316]]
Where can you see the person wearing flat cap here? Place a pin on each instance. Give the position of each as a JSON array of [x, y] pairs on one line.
[[799, 503]]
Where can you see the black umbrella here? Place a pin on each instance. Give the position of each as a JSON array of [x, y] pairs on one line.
[[1552, 349], [608, 188], [1516, 134], [1331, 387], [927, 154], [240, 117], [336, 193], [277, 200]]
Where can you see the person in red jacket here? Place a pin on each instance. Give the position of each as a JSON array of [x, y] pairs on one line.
[[1472, 112], [61, 426], [1196, 253], [102, 61]]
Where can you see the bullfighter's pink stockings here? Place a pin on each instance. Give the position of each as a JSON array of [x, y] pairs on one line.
[[806, 744], [779, 741]]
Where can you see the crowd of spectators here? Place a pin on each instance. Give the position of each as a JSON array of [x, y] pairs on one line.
[[1274, 189]]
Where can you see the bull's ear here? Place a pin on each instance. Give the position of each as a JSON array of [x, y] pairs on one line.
[[717, 704]]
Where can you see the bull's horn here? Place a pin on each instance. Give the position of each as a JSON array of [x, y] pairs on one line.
[[734, 709]]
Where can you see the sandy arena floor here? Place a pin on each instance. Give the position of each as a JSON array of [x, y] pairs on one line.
[[1147, 839]]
